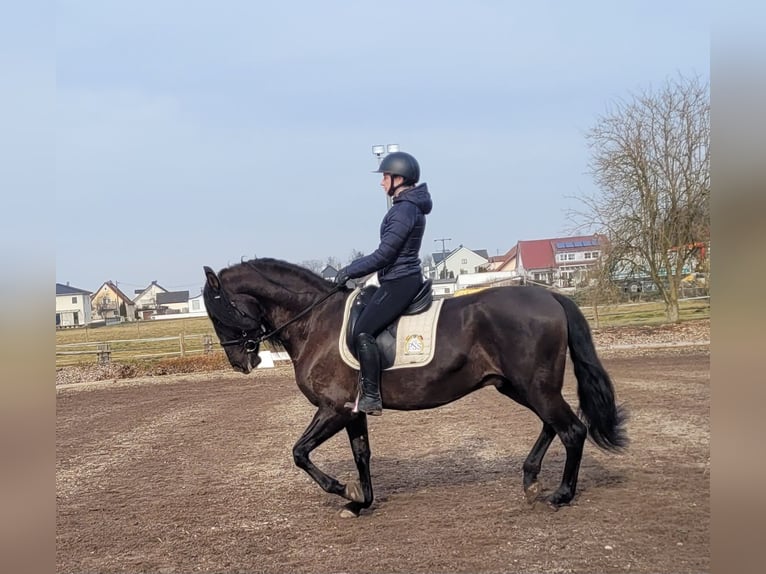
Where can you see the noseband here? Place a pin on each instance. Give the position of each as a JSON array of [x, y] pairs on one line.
[[250, 343]]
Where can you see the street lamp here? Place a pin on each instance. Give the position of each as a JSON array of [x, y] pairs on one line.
[[379, 151]]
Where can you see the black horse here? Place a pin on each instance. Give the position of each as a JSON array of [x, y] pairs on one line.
[[513, 338]]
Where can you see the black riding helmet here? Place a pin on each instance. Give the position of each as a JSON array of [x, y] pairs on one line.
[[401, 163]]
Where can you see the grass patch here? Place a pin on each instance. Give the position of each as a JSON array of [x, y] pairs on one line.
[[646, 314]]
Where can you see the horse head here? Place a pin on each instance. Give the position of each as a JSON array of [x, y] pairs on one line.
[[238, 321]]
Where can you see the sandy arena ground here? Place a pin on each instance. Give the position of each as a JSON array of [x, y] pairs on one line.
[[194, 473]]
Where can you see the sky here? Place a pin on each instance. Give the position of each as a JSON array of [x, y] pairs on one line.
[[197, 133]]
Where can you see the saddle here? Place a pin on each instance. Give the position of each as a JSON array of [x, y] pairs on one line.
[[386, 341]]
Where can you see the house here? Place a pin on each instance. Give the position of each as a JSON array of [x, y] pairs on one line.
[[146, 299], [111, 304], [496, 261], [72, 306], [329, 273], [560, 262], [457, 262], [442, 288], [197, 305], [172, 302]]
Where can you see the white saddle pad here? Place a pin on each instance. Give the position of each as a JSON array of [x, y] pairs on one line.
[[415, 336]]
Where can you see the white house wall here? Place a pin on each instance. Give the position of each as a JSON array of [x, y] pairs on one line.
[[471, 279], [461, 261], [197, 305], [148, 299], [69, 304]]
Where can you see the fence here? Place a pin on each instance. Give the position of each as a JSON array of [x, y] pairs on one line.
[[127, 349]]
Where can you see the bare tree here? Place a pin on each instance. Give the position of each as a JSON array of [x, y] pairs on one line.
[[354, 255], [314, 265], [651, 161], [427, 260], [333, 262], [599, 289]]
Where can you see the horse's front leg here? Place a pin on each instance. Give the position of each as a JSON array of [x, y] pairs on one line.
[[359, 493], [326, 423]]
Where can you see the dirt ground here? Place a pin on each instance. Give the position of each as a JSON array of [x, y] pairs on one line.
[[194, 473]]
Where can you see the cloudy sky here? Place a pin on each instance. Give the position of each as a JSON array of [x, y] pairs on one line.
[[194, 133]]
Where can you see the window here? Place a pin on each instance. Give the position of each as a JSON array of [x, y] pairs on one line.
[[587, 254], [463, 261], [195, 305], [74, 300], [570, 256]]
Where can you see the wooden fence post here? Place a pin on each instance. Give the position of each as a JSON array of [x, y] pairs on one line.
[[104, 353], [207, 341], [181, 342]]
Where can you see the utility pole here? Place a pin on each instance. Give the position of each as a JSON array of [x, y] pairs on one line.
[[444, 252]]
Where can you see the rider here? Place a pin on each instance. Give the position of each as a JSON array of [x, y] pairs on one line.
[[397, 264]]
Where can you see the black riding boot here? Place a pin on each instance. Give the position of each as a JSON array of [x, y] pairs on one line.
[[369, 363]]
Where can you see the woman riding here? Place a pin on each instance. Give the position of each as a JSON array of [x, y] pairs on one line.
[[397, 263]]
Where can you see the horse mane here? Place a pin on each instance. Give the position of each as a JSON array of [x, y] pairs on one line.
[[283, 272]]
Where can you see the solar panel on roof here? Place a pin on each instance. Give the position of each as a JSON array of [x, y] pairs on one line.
[[569, 244], [559, 245], [579, 244]]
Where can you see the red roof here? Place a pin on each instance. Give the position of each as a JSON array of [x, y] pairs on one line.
[[537, 254], [541, 253]]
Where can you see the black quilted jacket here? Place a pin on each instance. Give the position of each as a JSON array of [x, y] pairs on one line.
[[401, 234]]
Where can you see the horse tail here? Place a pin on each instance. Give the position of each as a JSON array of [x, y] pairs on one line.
[[605, 419]]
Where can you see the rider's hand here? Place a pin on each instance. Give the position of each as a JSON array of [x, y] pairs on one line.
[[342, 277]]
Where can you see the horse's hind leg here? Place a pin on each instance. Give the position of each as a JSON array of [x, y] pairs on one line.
[[325, 424], [534, 462], [360, 493], [572, 432]]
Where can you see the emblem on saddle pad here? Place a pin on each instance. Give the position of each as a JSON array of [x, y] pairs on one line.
[[413, 345], [409, 342]]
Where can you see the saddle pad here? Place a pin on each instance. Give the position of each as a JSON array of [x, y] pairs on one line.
[[415, 336]]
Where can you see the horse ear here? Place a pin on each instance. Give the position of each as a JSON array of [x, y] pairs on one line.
[[212, 279]]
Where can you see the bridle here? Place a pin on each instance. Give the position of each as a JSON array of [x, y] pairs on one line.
[[250, 343]]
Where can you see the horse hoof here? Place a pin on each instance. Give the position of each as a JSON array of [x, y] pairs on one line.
[[556, 501], [532, 492], [354, 492], [347, 512]]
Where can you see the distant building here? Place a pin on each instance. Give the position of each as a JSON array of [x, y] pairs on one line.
[[172, 302], [146, 299], [197, 305], [111, 304], [457, 262], [329, 273], [72, 306], [560, 262]]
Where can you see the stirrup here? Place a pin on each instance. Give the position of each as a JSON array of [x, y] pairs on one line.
[[355, 406], [375, 411]]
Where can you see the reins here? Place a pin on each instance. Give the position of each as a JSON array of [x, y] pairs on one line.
[[251, 344]]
